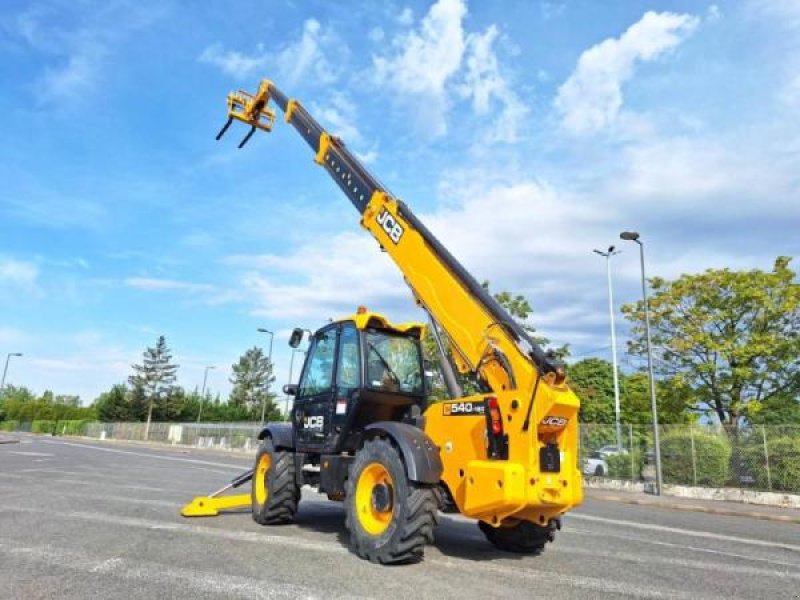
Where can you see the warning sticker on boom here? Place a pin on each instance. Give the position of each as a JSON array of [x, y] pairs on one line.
[[459, 409]]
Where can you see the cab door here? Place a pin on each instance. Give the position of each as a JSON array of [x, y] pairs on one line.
[[314, 400]]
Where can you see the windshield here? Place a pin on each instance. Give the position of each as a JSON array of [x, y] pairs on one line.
[[393, 363]]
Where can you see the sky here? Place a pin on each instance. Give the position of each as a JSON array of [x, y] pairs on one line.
[[524, 134]]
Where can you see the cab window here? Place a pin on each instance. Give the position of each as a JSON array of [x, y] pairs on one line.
[[348, 376], [393, 363], [318, 376]]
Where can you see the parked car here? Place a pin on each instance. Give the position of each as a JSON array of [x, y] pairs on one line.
[[595, 465]]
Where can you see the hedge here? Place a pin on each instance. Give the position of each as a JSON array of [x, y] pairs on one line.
[[619, 465], [9, 425], [72, 427], [43, 426], [712, 458], [784, 464]]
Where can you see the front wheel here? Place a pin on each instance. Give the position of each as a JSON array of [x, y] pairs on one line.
[[389, 517], [522, 537], [274, 493]]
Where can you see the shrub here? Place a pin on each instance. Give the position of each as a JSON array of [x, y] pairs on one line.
[[712, 457], [10, 425], [784, 464], [619, 465], [43, 426], [72, 427]]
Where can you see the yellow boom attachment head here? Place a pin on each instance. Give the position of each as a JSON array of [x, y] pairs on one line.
[[250, 109]]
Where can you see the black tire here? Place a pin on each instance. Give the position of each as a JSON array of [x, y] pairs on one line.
[[414, 509], [523, 537], [598, 471], [282, 491]]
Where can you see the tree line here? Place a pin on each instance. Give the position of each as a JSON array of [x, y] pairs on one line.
[[151, 394], [726, 348]]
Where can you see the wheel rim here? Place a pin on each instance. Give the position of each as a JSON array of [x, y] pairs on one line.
[[374, 478], [260, 478]]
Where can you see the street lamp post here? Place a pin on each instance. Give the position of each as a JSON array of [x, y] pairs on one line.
[[203, 393], [264, 401], [5, 370], [615, 369], [633, 236]]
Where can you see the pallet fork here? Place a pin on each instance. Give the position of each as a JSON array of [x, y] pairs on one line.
[[209, 506]]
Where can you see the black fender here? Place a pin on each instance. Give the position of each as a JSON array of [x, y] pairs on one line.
[[420, 454], [281, 434]]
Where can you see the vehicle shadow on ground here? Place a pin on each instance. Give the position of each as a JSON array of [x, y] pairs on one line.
[[453, 537]]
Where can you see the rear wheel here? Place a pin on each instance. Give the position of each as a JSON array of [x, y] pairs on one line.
[[389, 517], [522, 537], [275, 493]]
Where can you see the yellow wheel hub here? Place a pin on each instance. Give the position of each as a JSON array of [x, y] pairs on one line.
[[260, 478], [374, 499]]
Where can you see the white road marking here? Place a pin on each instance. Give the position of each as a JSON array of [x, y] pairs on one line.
[[630, 538], [27, 453], [162, 575], [687, 532], [611, 585], [148, 455]]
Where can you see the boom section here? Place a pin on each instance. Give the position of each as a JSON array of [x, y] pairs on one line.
[[484, 336]]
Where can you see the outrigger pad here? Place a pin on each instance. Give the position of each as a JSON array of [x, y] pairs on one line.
[[206, 506]]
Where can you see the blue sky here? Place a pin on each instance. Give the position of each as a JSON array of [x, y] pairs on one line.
[[525, 134]]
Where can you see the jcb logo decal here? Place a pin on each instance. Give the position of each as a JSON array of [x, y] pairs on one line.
[[314, 422], [390, 225], [554, 421], [457, 409]]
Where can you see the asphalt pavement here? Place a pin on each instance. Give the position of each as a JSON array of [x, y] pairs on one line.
[[92, 520]]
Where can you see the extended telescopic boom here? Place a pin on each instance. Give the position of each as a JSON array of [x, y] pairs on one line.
[[487, 341]]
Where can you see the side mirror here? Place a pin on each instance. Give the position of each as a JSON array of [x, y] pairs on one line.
[[290, 389], [296, 337]]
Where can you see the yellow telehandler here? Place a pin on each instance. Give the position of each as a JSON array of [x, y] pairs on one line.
[[360, 430]]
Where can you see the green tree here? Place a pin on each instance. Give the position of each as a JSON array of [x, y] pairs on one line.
[[114, 405], [592, 380], [733, 337], [155, 377], [251, 379]]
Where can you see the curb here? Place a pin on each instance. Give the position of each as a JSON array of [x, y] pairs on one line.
[[698, 508]]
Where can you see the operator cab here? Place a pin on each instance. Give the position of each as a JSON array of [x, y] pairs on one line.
[[359, 370]]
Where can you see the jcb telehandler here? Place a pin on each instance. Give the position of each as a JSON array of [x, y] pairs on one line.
[[360, 430]]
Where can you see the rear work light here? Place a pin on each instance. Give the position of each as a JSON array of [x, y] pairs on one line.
[[497, 446]]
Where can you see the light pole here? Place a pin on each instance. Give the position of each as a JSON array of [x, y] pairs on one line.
[[615, 370], [633, 236], [203, 394], [5, 370], [264, 401], [291, 368]]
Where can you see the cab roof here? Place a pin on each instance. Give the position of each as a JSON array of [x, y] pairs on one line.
[[364, 318]]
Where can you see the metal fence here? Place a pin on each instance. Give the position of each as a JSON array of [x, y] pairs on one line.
[[229, 436], [755, 457]]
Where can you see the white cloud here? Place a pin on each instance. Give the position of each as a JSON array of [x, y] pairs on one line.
[[233, 62], [425, 58], [406, 16], [440, 61], [77, 56], [301, 59], [591, 98], [18, 273], [483, 83], [161, 285]]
